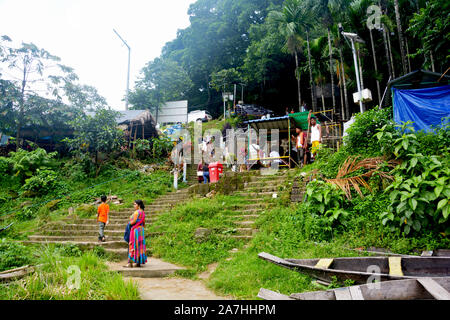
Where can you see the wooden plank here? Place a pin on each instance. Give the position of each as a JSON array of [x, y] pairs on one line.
[[324, 263], [356, 293], [395, 266], [343, 294], [272, 295], [434, 288], [269, 257], [14, 270]]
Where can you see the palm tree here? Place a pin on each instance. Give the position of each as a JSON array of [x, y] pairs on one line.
[[294, 19], [327, 21], [375, 66], [400, 35]]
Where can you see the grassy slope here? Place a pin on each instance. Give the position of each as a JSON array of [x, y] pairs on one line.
[[287, 230], [50, 281]]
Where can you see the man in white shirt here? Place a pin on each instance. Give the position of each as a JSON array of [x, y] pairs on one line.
[[316, 136]]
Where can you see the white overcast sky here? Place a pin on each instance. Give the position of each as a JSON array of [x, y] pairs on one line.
[[80, 32]]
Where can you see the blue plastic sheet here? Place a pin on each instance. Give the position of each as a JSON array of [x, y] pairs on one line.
[[425, 107]]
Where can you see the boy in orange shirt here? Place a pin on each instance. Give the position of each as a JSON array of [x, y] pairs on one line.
[[102, 218]]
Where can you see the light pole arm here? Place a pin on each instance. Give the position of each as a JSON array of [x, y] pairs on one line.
[[128, 73]]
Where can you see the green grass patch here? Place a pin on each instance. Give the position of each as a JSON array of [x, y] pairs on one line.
[[178, 243], [60, 269]]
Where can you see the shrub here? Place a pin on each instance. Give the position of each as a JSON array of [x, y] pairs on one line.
[[361, 134], [25, 163], [43, 182], [86, 211], [5, 167], [25, 214], [419, 195], [13, 255]]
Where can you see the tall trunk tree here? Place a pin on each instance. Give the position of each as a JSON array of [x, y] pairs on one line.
[[331, 67], [297, 76], [375, 66], [390, 54], [341, 92], [344, 83], [407, 54], [311, 81], [386, 49], [400, 35], [432, 61]]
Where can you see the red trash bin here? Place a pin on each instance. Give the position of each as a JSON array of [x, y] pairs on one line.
[[214, 172], [220, 169]]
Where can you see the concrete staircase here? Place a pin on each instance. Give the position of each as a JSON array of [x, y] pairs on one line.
[[259, 193], [84, 232]]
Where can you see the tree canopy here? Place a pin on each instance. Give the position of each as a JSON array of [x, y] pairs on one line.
[[281, 53]]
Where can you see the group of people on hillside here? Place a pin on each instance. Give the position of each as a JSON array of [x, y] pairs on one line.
[[303, 108], [134, 233], [307, 143]]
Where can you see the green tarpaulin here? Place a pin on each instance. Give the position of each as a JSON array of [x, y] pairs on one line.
[[301, 119]]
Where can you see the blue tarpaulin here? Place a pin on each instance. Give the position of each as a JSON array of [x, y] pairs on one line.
[[425, 107]]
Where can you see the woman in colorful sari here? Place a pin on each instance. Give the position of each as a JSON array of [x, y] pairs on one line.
[[136, 247]]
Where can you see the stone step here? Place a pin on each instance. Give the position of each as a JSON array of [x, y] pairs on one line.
[[89, 227], [246, 223], [246, 216], [274, 179], [113, 220], [243, 238], [264, 182], [276, 188], [250, 207], [118, 253], [257, 195], [126, 215], [154, 268], [83, 244], [246, 231], [108, 233], [77, 238]]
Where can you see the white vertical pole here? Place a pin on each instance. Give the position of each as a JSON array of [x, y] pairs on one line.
[[355, 60], [175, 178]]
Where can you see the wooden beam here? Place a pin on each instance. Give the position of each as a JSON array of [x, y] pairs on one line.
[[395, 266], [434, 288], [356, 293], [343, 294], [324, 263], [272, 295]]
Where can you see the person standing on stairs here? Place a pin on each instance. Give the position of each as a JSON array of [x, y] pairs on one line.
[[102, 218], [136, 247], [316, 137], [205, 173]]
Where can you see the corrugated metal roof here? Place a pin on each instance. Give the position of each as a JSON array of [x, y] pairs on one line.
[[125, 115], [280, 123]]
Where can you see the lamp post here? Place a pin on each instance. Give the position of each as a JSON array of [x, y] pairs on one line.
[[128, 75], [354, 37], [242, 92]]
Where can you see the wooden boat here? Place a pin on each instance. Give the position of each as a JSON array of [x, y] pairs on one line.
[[409, 289], [360, 269], [436, 253]]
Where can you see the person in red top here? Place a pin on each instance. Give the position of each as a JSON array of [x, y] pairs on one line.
[[301, 145], [102, 218]]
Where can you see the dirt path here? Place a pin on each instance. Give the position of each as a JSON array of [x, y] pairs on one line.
[[173, 289], [154, 286]]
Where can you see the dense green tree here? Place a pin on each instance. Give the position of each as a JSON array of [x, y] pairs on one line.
[[161, 80], [432, 27], [96, 133]]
